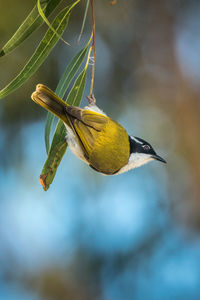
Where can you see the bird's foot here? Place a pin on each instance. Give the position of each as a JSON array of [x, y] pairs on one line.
[[91, 100]]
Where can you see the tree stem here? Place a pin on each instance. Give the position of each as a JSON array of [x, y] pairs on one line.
[[93, 47]]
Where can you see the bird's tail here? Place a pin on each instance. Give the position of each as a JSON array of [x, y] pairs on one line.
[[50, 101]]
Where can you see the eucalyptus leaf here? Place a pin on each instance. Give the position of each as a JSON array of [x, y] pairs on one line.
[[30, 24], [63, 85], [46, 45], [84, 19], [59, 145], [42, 14]]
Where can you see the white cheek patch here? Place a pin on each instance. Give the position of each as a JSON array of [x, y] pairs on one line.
[[136, 160]]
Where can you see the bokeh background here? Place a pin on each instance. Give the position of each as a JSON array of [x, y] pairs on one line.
[[132, 236]]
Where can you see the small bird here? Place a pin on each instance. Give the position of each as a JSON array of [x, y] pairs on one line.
[[95, 138]]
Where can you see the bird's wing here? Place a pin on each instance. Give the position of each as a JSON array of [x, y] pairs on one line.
[[96, 133], [88, 117], [86, 125]]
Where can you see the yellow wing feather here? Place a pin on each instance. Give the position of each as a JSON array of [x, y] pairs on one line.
[[87, 128], [93, 119]]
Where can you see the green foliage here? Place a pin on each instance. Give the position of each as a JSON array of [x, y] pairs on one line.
[[42, 14], [46, 45], [54, 33], [30, 24], [84, 19]]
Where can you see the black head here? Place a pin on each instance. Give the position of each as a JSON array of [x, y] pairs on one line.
[[138, 145]]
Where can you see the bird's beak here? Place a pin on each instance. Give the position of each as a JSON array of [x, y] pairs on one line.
[[159, 158]]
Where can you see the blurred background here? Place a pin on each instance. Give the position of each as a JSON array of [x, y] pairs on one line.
[[132, 236]]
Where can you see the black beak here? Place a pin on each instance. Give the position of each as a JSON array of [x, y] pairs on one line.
[[159, 158]]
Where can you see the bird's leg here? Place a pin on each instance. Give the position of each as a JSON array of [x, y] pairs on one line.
[[91, 100]]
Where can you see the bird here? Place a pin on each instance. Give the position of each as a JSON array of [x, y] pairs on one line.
[[92, 136]]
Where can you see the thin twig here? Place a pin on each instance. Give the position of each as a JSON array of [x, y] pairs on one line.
[[93, 47]]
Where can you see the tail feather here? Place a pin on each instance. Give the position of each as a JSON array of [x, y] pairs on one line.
[[50, 101]]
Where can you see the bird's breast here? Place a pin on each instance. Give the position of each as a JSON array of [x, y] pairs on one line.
[[111, 149]]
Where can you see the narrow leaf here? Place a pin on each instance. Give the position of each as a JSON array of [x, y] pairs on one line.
[[84, 19], [42, 14], [30, 24], [59, 144], [46, 45], [63, 85], [76, 93]]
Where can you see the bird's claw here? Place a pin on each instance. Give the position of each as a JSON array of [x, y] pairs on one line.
[[91, 100]]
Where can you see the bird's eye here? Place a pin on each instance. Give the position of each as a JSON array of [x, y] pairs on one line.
[[146, 147]]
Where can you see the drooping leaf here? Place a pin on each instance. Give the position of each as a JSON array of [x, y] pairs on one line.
[[59, 145], [30, 24], [63, 85], [84, 19], [42, 14], [46, 45], [76, 93]]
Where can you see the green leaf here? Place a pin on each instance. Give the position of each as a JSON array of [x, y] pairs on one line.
[[42, 14], [46, 45], [63, 85], [84, 19], [59, 144], [76, 93], [30, 24]]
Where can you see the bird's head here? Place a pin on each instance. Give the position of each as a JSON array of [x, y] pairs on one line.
[[141, 152]]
